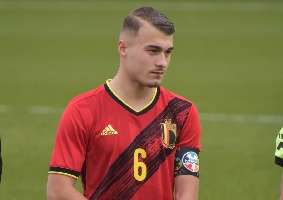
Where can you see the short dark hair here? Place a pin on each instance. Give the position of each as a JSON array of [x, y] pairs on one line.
[[154, 17]]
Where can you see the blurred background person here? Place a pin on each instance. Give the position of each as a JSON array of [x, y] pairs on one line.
[[279, 157]]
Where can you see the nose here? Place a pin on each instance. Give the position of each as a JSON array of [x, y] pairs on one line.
[[162, 61]]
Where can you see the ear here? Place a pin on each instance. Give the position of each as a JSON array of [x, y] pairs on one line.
[[122, 48]]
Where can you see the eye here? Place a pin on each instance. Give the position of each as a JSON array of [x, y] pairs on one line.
[[168, 52], [153, 50]]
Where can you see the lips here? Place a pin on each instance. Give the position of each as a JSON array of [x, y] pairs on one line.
[[157, 72]]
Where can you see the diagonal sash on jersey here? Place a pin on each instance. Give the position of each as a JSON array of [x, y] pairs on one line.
[[119, 182]]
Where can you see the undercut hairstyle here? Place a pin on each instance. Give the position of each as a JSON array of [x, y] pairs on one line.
[[132, 22]]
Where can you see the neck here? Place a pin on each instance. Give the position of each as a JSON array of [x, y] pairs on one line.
[[132, 93], [130, 90]]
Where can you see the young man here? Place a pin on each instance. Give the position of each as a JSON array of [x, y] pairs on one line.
[[130, 138], [279, 157]]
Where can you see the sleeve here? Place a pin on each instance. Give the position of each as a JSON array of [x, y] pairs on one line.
[[189, 145], [279, 148], [69, 151], [191, 131]]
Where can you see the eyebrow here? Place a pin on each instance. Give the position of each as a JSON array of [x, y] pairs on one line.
[[158, 47]]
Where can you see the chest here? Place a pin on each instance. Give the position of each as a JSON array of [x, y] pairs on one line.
[[116, 133]]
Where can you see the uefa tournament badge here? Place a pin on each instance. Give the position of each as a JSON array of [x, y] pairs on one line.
[[190, 161]]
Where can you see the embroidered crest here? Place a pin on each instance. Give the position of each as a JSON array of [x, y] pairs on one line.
[[169, 132]]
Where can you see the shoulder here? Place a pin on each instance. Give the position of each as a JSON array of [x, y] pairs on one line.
[[169, 95], [84, 105], [81, 109], [88, 98], [180, 102]]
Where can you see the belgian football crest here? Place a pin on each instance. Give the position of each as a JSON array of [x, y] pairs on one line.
[[169, 132]]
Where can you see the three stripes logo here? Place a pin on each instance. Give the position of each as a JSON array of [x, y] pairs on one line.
[[109, 130]]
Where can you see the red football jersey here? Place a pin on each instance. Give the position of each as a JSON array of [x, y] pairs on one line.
[[121, 153]]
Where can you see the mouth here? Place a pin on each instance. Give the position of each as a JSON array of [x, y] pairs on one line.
[[160, 73]]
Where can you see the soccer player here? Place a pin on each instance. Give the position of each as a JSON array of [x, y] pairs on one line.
[[130, 138], [279, 156]]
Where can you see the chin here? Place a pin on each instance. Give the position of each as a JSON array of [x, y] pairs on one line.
[[154, 84]]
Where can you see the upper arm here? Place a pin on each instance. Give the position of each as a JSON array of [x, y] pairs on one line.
[[186, 174], [187, 158], [186, 187], [68, 156], [70, 146], [56, 181], [58, 185], [61, 187]]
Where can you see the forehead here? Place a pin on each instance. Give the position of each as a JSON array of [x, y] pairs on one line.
[[149, 35]]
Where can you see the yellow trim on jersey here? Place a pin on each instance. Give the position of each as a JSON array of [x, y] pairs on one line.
[[155, 92], [62, 173]]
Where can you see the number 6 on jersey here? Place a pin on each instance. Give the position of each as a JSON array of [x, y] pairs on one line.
[[140, 170]]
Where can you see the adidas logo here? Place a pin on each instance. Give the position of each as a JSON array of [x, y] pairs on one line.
[[109, 130]]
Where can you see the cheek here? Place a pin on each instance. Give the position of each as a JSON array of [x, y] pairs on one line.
[[146, 60], [140, 61], [134, 56], [134, 64]]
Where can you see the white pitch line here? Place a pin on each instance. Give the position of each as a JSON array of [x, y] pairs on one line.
[[43, 110], [242, 118], [208, 117], [4, 108]]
